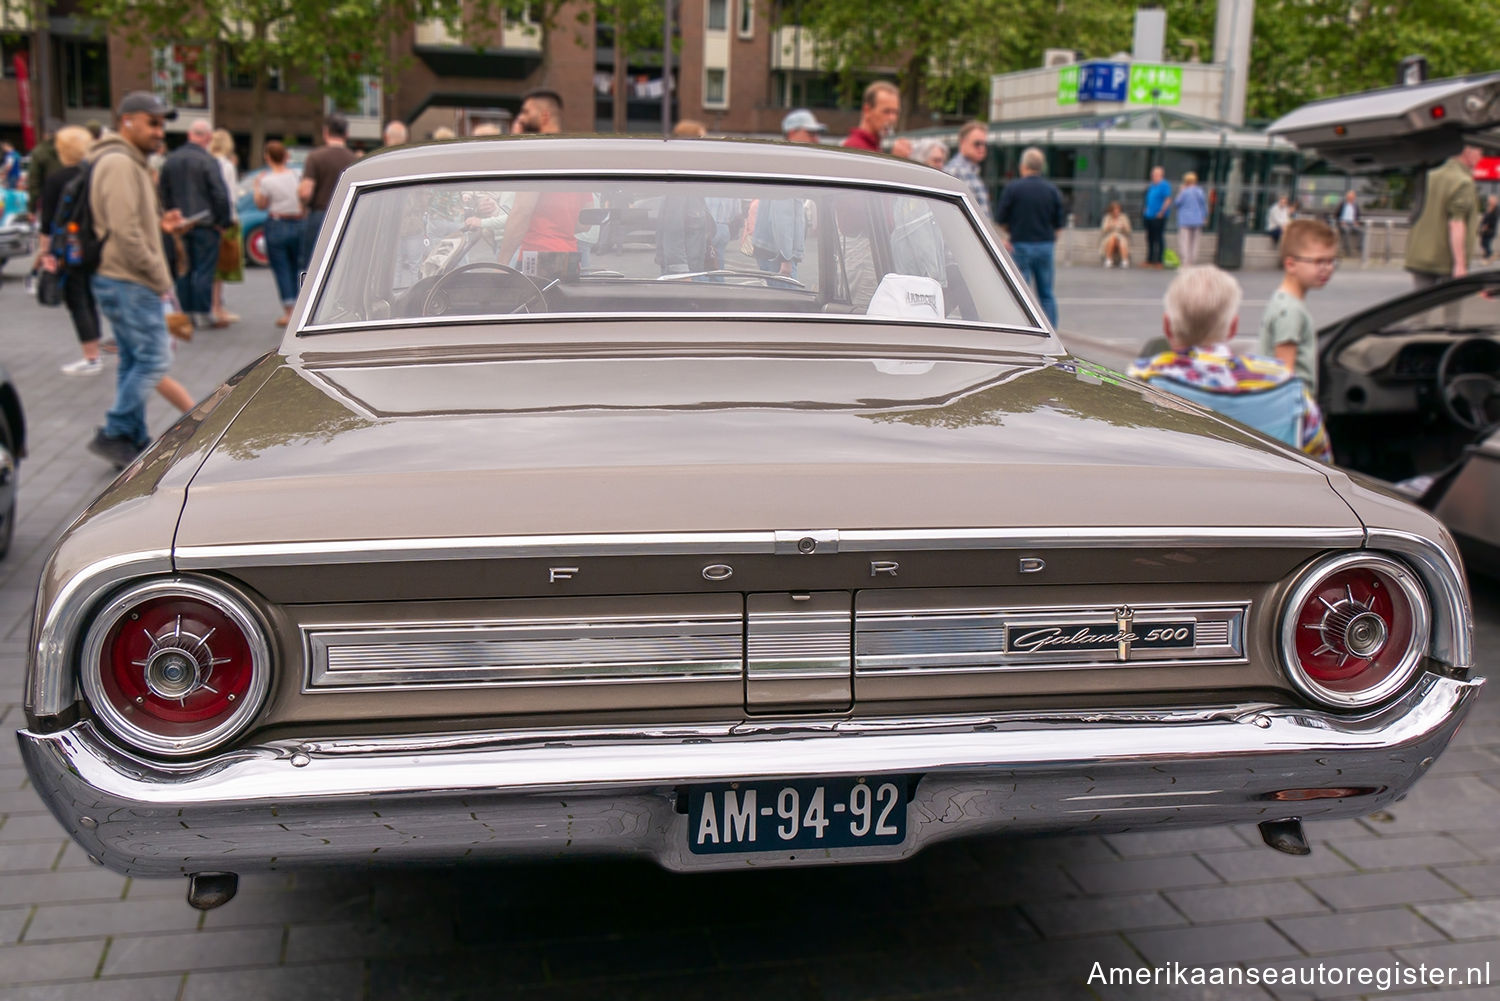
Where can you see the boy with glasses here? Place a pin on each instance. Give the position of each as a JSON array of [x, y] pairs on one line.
[[1309, 255]]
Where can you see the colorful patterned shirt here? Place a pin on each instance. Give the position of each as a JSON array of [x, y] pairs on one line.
[[1219, 370]]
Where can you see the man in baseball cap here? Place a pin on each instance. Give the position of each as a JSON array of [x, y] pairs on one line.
[[145, 102], [802, 126], [132, 274]]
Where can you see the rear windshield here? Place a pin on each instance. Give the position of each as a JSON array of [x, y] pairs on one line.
[[508, 249]]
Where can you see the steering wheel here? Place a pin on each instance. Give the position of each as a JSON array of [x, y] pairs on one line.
[[1471, 397], [435, 303]]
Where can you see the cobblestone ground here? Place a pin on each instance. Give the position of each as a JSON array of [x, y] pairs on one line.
[[1417, 884]]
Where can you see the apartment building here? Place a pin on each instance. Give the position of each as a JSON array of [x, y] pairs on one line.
[[739, 66]]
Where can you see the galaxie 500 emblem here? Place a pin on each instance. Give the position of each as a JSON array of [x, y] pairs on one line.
[[1122, 636]]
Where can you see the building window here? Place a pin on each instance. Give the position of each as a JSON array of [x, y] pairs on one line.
[[83, 65], [10, 45], [238, 76], [366, 103], [714, 88], [747, 18], [718, 15]]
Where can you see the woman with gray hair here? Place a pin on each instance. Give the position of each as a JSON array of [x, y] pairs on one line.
[[1200, 315], [931, 151]]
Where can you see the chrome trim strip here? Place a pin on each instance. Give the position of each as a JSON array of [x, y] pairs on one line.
[[1094, 538], [612, 791], [646, 318], [204, 557], [522, 651], [57, 628], [1447, 591]]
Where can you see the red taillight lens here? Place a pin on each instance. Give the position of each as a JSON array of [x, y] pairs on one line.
[[1354, 629], [175, 667]]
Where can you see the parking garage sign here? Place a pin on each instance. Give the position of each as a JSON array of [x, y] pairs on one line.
[[1133, 83], [1153, 84], [1103, 81]]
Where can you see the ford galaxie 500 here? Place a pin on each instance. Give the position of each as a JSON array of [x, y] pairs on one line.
[[792, 537]]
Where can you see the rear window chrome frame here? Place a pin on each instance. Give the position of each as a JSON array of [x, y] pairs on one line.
[[347, 197]]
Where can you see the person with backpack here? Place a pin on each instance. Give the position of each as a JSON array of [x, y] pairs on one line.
[[72, 144], [125, 229]]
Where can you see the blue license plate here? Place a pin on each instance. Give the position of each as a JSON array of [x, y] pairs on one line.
[[811, 813]]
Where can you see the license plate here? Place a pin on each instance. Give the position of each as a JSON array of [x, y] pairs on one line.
[[817, 813]]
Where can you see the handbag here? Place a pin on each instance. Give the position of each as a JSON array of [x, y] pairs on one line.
[[229, 252], [180, 326], [49, 288]]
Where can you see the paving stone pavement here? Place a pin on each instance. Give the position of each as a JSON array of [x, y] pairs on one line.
[[1418, 883]]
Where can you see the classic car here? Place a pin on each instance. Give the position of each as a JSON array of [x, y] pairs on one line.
[[1411, 385], [12, 451], [787, 543]]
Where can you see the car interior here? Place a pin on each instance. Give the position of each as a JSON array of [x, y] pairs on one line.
[[1406, 388]]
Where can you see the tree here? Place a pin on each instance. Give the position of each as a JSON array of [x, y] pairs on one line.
[[944, 48], [1302, 49], [1307, 49], [635, 26], [334, 44]]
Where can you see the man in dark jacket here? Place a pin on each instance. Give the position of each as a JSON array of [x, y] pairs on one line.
[[192, 183], [1031, 213]]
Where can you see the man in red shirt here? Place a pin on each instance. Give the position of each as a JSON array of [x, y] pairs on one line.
[[877, 119], [541, 223]]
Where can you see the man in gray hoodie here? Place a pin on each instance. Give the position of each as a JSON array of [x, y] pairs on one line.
[[132, 276]]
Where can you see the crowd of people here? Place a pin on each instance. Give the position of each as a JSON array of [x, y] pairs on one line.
[[174, 241], [169, 236]]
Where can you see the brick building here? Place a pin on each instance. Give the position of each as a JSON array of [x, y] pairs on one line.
[[740, 65]]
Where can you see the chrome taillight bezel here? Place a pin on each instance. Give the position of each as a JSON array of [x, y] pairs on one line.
[[1309, 580], [226, 601]]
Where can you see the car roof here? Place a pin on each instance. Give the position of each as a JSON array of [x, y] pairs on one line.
[[612, 155]]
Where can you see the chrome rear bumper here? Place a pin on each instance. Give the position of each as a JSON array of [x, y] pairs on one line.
[[451, 797]]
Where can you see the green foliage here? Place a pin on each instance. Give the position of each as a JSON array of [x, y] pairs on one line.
[[1302, 50], [331, 44], [1307, 49]]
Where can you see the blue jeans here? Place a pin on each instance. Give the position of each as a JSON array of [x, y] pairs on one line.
[[135, 313], [283, 246], [1036, 263], [310, 229], [195, 290]]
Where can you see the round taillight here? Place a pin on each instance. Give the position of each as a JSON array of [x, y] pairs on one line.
[[175, 667], [1354, 629]]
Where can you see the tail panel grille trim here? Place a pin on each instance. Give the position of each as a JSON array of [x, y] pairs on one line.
[[788, 649], [679, 648]]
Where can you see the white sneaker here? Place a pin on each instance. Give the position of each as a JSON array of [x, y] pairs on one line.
[[1108, 263], [83, 366], [1124, 264]]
